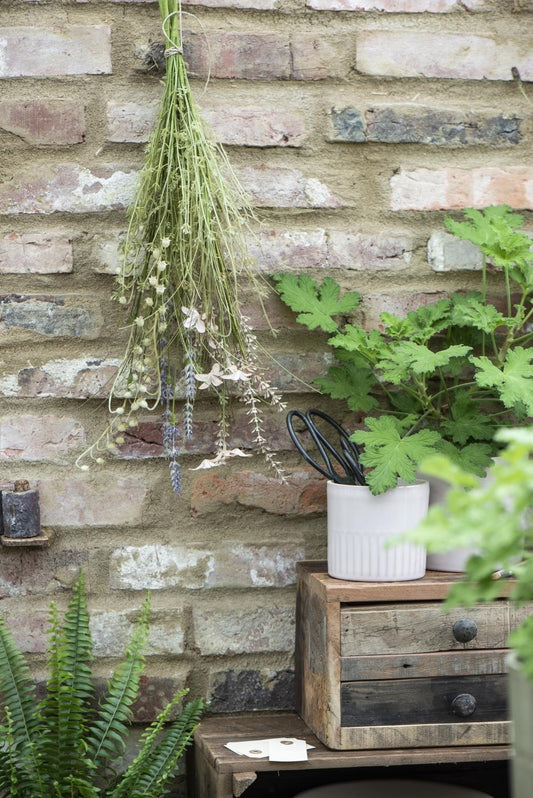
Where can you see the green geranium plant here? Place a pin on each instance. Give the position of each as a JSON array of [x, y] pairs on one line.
[[64, 747], [494, 519], [445, 377]]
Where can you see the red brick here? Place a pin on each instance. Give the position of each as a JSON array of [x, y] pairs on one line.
[[426, 189], [43, 121], [248, 56], [398, 6], [32, 572], [303, 494], [253, 126], [25, 437], [442, 55], [49, 52], [36, 253]]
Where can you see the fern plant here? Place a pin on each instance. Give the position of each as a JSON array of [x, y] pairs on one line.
[[61, 747], [444, 378]]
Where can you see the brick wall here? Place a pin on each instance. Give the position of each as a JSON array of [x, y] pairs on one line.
[[354, 125]]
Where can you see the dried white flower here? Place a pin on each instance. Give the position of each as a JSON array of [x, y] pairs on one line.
[[221, 458], [160, 289], [234, 373], [193, 320], [149, 301], [165, 242], [162, 265], [122, 300], [211, 379], [139, 321], [152, 280]]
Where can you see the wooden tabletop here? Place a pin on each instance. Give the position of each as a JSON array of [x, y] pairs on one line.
[[217, 730], [433, 586]]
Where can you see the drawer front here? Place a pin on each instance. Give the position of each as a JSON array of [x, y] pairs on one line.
[[418, 701], [415, 666], [422, 627]]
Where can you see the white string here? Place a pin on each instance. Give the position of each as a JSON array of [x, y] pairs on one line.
[[175, 49]]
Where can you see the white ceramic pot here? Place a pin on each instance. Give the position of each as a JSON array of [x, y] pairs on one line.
[[521, 706], [454, 560], [360, 525]]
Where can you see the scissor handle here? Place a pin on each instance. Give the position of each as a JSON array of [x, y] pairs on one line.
[[325, 448], [349, 448]]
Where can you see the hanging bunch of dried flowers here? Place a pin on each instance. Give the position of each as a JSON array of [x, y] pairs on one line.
[[185, 261]]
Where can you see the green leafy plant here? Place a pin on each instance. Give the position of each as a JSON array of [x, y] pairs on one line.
[[61, 747], [494, 519], [185, 270], [445, 377]]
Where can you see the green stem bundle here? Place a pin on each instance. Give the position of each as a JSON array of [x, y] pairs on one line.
[[185, 262]]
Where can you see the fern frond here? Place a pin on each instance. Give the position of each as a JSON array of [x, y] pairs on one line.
[[64, 710], [107, 734], [157, 762], [18, 700]]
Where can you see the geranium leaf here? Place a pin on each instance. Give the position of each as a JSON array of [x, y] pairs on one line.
[[467, 420], [390, 454], [352, 383], [514, 382], [316, 304]]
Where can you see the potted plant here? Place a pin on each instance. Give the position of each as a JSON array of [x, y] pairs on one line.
[[445, 377], [495, 519], [62, 746]]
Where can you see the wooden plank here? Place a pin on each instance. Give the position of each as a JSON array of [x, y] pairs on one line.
[[241, 782], [413, 666], [396, 703], [444, 734], [434, 585], [411, 628], [214, 731]]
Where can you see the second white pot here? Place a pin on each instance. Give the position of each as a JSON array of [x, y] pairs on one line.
[[360, 526]]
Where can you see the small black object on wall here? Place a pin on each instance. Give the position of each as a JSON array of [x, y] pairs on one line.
[[20, 516]]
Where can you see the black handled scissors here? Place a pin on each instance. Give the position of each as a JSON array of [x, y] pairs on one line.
[[347, 457]]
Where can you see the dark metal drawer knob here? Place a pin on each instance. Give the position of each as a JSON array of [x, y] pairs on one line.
[[464, 705], [464, 630]]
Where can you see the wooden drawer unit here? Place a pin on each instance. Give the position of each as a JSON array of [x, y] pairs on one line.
[[379, 665]]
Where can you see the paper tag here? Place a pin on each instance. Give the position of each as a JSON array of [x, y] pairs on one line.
[[278, 749], [288, 749]]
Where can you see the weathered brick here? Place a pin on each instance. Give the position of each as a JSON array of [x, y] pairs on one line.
[[252, 126], [157, 567], [39, 438], [29, 629], [319, 57], [236, 565], [49, 52], [398, 6], [246, 56], [43, 121], [277, 250], [360, 252], [100, 500], [38, 571], [111, 631], [240, 629], [277, 187], [304, 493], [442, 55], [68, 188], [250, 690], [72, 379], [36, 253], [398, 304], [157, 689], [106, 251], [427, 189], [447, 253], [420, 125], [67, 315]]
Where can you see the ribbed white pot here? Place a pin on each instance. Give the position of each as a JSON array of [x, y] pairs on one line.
[[454, 560], [360, 526]]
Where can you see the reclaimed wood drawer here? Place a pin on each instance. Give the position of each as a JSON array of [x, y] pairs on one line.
[[380, 665]]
